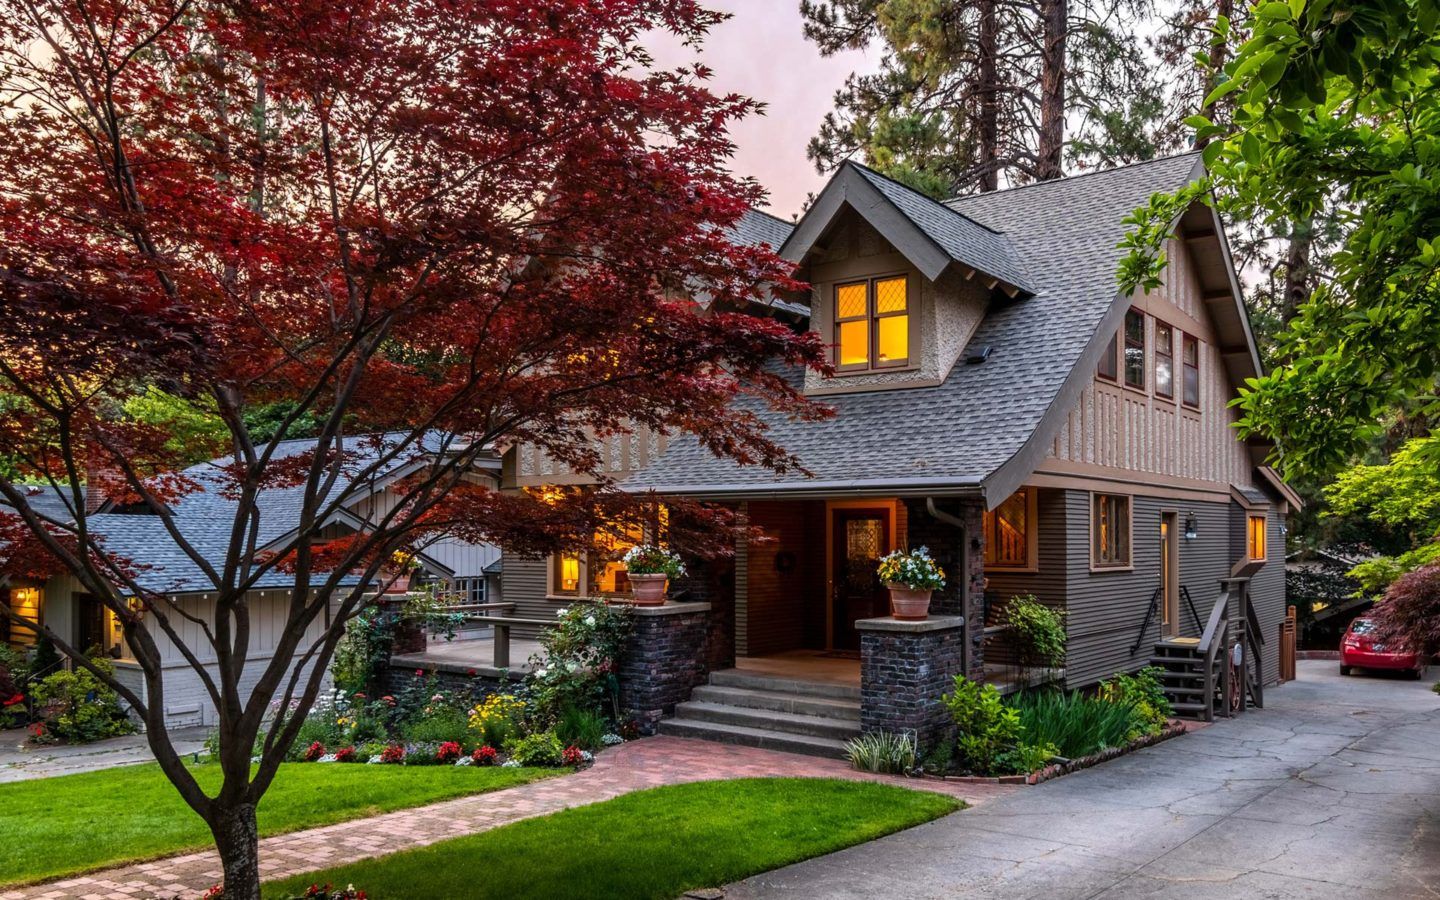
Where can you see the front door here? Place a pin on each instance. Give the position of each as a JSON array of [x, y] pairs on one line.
[[862, 536], [1169, 575], [89, 623]]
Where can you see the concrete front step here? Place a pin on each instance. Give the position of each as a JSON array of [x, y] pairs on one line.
[[775, 683], [779, 701], [767, 720], [809, 745]]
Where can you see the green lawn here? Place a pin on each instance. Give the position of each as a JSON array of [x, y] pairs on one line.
[[74, 823], [657, 843]]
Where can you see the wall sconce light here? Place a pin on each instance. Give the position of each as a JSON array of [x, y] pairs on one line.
[[1192, 529]]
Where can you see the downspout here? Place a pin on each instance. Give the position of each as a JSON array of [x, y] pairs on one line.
[[939, 514]]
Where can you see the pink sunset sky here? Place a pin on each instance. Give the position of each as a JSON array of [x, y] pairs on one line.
[[762, 53]]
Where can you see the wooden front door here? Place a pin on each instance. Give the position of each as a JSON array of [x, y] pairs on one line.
[[861, 537], [1169, 575]]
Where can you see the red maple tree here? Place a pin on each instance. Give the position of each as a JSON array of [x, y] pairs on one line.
[[461, 224]]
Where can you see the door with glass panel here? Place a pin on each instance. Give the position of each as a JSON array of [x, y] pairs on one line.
[[861, 537]]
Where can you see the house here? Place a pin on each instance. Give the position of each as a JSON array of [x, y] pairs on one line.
[[203, 517], [999, 400]]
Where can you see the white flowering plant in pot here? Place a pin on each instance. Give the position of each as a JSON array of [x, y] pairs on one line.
[[649, 568], [912, 576]]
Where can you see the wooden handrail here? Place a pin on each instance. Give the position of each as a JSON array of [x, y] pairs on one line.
[[463, 606], [1219, 613]]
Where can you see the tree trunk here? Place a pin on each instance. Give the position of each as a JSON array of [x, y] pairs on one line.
[[1297, 270], [988, 120], [1219, 56], [238, 842], [1051, 151]]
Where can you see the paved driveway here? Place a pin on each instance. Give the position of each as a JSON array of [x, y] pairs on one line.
[[1331, 791]]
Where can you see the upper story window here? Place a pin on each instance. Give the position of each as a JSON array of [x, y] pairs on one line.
[[1164, 360], [1255, 538], [1109, 366], [1135, 349], [1009, 531], [1190, 380], [1110, 531], [872, 324]]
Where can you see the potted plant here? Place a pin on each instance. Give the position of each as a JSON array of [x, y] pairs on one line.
[[649, 567], [912, 576]]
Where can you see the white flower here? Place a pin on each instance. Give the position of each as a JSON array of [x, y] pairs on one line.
[[590, 620], [374, 760], [329, 757], [542, 671], [611, 740], [510, 764], [464, 761], [254, 760], [587, 756]]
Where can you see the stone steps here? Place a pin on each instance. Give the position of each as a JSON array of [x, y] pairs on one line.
[[771, 712]]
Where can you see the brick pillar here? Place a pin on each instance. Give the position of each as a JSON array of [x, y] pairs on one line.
[[905, 667], [407, 635], [712, 581], [665, 659], [961, 596]]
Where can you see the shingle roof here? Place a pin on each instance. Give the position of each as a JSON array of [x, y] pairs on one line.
[[48, 502], [756, 227], [964, 239], [959, 432]]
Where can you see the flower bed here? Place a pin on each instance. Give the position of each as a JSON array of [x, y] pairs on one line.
[[1056, 769]]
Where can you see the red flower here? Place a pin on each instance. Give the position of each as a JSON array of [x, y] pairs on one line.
[[18, 698], [419, 673], [394, 753], [359, 696], [470, 672], [484, 755], [572, 756], [448, 752], [314, 751], [388, 700], [345, 754]]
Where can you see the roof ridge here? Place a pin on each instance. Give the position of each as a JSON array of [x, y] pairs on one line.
[[921, 195], [1077, 176]]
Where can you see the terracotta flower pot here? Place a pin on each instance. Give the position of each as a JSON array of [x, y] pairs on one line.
[[648, 590], [908, 604]]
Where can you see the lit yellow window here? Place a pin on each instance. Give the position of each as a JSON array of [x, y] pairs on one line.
[[1257, 537], [880, 308], [1007, 532], [567, 573], [852, 325], [892, 323]]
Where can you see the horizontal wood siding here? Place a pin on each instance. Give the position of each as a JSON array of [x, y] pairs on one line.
[[1106, 609], [1048, 584], [523, 583], [781, 608]]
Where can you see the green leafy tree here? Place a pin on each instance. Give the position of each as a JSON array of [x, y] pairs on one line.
[[1401, 498]]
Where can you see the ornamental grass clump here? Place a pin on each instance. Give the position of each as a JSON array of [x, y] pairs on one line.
[[914, 569], [884, 752]]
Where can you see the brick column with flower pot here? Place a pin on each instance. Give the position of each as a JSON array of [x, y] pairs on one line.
[[905, 667], [665, 659]]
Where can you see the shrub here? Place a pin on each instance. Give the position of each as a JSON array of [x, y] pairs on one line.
[[318, 728], [442, 724], [1144, 695], [77, 707], [1076, 725], [1409, 614], [484, 755], [449, 752], [883, 752], [542, 748], [914, 569], [364, 650], [573, 756], [1038, 631], [581, 727], [991, 738], [393, 754], [581, 656], [497, 719], [345, 754]]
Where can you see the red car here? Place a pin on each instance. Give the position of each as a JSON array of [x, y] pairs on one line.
[[1358, 650]]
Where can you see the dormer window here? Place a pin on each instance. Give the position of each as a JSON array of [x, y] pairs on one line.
[[872, 324]]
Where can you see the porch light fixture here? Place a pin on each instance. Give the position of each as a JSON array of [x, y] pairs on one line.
[[1192, 530]]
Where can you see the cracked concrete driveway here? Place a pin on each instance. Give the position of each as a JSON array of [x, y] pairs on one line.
[[1333, 790]]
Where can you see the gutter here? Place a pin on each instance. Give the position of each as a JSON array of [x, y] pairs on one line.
[[915, 488], [942, 516]]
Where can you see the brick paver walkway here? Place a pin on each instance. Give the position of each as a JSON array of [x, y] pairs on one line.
[[635, 766]]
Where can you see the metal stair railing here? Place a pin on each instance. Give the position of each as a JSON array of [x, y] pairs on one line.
[[1145, 625]]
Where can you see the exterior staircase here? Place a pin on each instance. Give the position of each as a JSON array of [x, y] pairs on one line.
[[814, 718], [1189, 685]]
